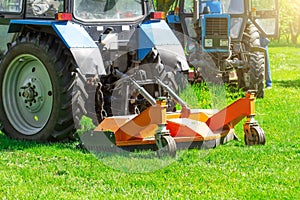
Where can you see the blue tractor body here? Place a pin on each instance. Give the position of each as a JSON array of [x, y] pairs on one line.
[[151, 34]]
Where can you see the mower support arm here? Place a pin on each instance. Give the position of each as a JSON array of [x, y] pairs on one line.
[[233, 114], [143, 92], [172, 94]]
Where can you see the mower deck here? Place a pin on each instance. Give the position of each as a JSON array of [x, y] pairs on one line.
[[155, 126]]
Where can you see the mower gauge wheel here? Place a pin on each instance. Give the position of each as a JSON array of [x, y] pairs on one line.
[[256, 136], [167, 147]]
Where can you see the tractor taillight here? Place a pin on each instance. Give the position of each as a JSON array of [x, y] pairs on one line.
[[158, 15], [63, 16]]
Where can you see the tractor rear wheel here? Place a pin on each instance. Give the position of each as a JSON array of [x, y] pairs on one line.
[[256, 73], [36, 84]]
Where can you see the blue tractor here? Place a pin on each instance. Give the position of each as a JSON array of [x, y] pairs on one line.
[[231, 33], [63, 59]]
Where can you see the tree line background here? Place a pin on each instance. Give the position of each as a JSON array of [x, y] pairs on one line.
[[289, 20]]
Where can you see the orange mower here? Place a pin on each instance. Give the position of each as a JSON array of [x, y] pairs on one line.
[[164, 131]]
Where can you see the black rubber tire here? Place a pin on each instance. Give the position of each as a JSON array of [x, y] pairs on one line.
[[257, 74], [58, 62], [256, 61], [169, 147], [255, 137], [79, 99]]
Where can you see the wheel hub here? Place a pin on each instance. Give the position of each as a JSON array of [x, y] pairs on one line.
[[31, 95]]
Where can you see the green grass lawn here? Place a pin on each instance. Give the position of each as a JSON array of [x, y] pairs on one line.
[[232, 171]]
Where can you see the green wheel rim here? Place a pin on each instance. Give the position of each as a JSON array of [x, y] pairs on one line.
[[27, 94]]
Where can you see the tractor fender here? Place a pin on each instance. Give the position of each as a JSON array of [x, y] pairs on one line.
[[157, 34], [83, 48]]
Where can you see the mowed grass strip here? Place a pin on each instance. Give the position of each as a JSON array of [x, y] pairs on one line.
[[232, 171]]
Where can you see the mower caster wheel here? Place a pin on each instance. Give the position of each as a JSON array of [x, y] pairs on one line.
[[167, 147], [255, 135]]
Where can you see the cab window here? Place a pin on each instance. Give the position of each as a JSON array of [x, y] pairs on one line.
[[94, 10], [189, 6], [43, 8], [10, 6]]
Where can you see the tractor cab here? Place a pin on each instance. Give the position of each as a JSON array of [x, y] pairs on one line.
[[84, 11], [103, 13], [263, 14], [102, 10]]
